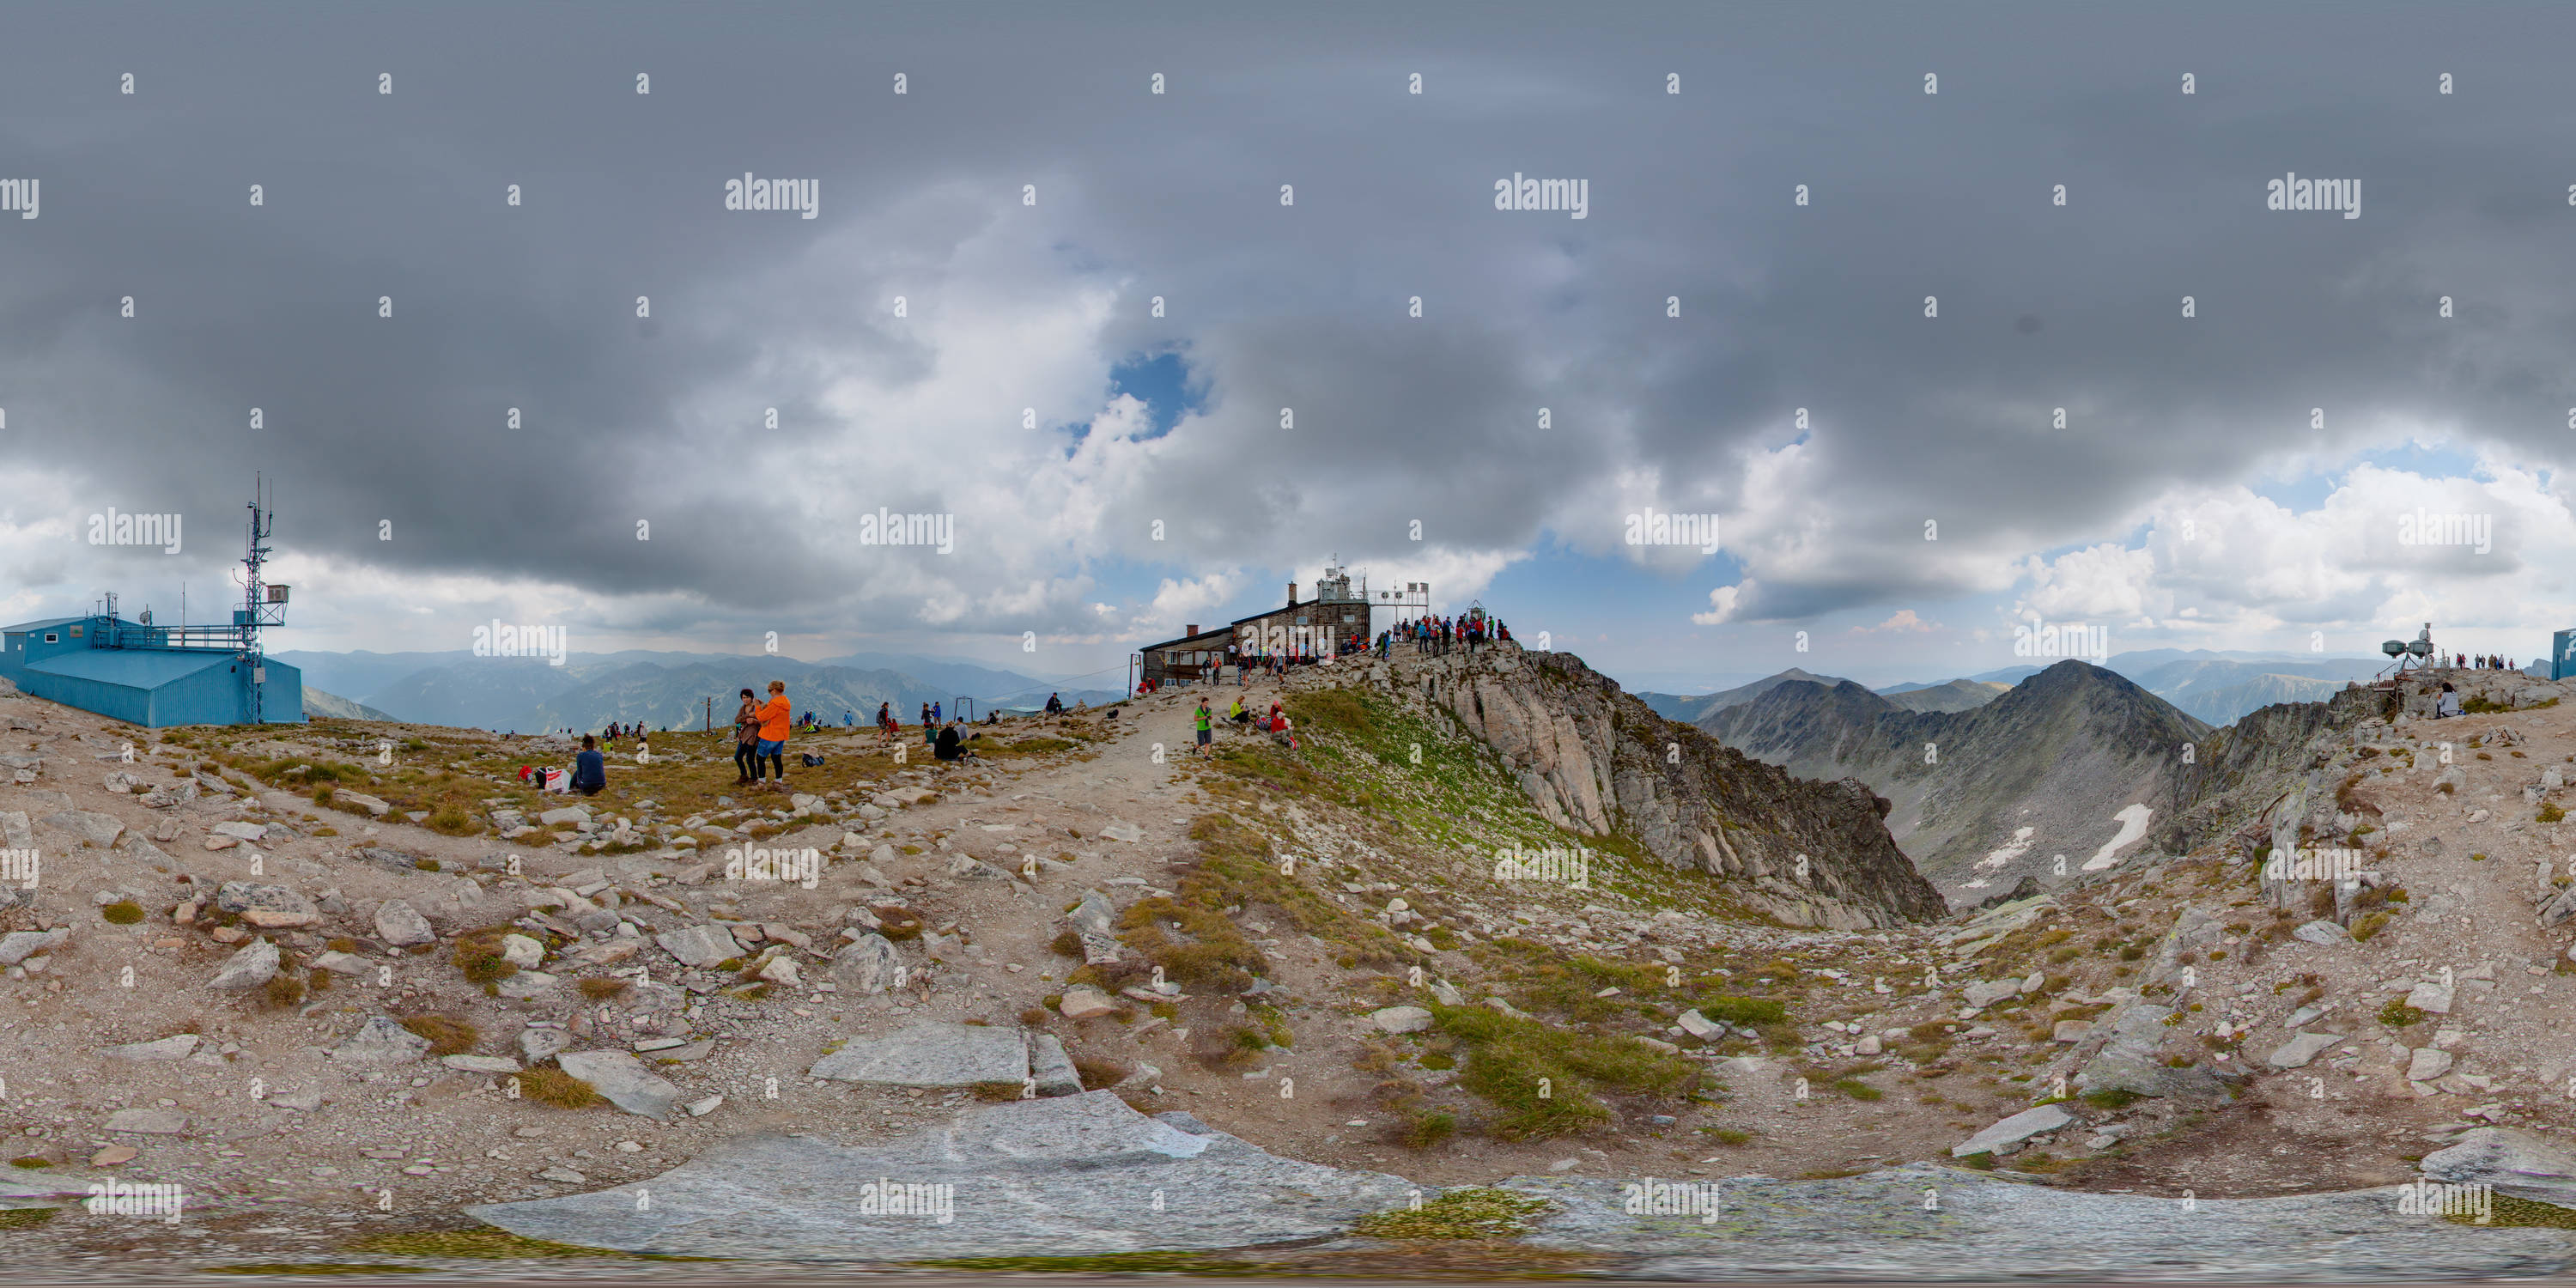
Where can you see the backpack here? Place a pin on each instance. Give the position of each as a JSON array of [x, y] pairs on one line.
[[810, 760]]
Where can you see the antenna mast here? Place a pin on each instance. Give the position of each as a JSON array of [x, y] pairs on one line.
[[261, 605]]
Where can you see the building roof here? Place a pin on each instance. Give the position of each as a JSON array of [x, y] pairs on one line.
[[24, 627], [1302, 606], [138, 668]]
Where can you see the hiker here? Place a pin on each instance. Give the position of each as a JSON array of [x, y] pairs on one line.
[[1237, 715], [746, 741], [1275, 721], [773, 736], [950, 748], [2449, 705], [936, 714], [589, 768], [1055, 705], [1201, 716]]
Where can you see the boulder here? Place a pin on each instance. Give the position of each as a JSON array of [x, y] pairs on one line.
[[381, 1041], [149, 1122], [1094, 914], [2298, 1051], [1044, 1177], [623, 1080], [480, 1063], [2427, 1064], [251, 966], [1051, 1068], [2515, 1162], [175, 1047], [970, 868], [2013, 1131], [1401, 1019], [343, 963], [568, 816], [528, 985], [374, 808], [782, 971], [700, 946], [18, 945], [1082, 1002], [541, 1045], [931, 1054], [399, 924], [522, 952], [242, 831], [92, 828], [1986, 993], [2127, 1059], [2430, 997], [869, 964], [266, 906], [2322, 933]]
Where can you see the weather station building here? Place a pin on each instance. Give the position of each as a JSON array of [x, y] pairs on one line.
[[1312, 629], [160, 676]]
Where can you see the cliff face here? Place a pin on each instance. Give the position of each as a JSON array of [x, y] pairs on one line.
[[1596, 760]]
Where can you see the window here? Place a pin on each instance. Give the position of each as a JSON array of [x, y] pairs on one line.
[[52, 638]]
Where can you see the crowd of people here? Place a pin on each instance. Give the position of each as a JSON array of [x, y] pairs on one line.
[[1436, 636], [2481, 662]]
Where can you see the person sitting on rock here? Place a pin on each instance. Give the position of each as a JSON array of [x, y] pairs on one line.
[[589, 768]]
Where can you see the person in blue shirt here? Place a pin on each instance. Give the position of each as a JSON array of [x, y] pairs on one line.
[[589, 768]]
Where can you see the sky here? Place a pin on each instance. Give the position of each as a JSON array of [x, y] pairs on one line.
[[1155, 355]]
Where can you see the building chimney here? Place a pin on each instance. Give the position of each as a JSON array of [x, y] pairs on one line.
[[1193, 630], [1292, 594]]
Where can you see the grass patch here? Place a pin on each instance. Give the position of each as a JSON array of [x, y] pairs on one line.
[[447, 1035], [26, 1218], [1544, 1079], [2520, 1213], [314, 1268], [2110, 1098], [548, 1085], [1426, 1130], [2397, 1014], [481, 1244], [123, 912], [1476, 1213], [600, 990], [1105, 1263], [478, 954]]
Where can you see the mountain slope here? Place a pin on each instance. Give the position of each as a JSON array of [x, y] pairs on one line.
[[1599, 762], [1985, 796], [331, 706], [682, 696]]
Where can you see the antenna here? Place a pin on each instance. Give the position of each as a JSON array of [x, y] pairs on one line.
[[261, 605]]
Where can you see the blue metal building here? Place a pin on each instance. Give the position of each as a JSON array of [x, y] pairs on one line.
[[154, 676], [158, 676]]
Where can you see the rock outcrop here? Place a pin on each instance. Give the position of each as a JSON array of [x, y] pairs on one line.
[[1596, 760]]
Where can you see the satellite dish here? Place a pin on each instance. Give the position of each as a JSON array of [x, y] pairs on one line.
[[2393, 647]]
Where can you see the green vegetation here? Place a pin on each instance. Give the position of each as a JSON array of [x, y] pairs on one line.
[[2397, 1014], [123, 912], [1105, 1263], [1476, 1213], [2509, 1211], [482, 1243], [26, 1218], [1544, 1079]]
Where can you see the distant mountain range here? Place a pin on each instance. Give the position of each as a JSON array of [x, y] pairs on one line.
[[1994, 792], [2213, 686], [652, 688]]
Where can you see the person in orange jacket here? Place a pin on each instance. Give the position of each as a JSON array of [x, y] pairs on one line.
[[775, 718]]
